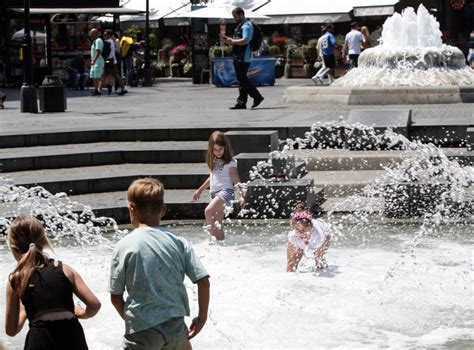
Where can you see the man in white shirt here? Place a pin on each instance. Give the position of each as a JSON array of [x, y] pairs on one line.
[[352, 45]]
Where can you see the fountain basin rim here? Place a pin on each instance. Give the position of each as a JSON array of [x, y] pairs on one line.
[[380, 95]]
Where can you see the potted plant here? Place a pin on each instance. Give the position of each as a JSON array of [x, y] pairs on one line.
[[178, 54], [217, 51]]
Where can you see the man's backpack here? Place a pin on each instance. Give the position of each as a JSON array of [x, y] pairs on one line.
[[257, 38], [106, 50]]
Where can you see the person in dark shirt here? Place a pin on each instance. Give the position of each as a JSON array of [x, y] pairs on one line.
[[77, 74], [130, 72]]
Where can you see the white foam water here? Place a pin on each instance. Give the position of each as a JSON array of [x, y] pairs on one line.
[[375, 294]]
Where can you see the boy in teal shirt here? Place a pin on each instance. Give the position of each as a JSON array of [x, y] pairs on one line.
[[150, 264]]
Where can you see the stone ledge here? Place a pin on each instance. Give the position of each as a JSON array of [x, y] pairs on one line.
[[379, 95]]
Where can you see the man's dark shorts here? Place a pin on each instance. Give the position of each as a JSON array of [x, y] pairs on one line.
[[329, 61], [110, 69]]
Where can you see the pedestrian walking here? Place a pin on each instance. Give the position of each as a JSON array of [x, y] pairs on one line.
[[242, 55], [97, 61], [328, 42], [323, 70], [110, 70], [352, 46]]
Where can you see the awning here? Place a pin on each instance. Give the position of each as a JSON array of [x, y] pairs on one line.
[[310, 11], [86, 10], [158, 8], [374, 11], [294, 19]]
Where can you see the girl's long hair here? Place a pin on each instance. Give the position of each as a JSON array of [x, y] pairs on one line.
[[219, 138], [27, 239]]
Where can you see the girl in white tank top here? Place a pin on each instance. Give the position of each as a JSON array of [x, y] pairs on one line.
[[309, 237]]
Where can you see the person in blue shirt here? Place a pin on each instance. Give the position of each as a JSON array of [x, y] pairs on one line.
[[242, 54], [328, 42], [150, 264]]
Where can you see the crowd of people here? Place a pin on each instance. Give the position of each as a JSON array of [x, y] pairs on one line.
[[148, 268], [357, 40], [115, 63]]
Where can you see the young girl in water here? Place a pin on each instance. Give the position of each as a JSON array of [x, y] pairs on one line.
[[40, 289], [223, 168], [309, 237]]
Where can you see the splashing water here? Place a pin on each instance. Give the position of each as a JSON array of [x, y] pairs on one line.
[[424, 186], [411, 53], [63, 219], [371, 296]]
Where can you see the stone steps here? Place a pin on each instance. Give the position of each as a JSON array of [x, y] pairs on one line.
[[100, 153], [343, 183], [344, 159], [179, 204], [109, 178]]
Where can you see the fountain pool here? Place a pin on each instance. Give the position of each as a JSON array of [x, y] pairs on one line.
[[388, 285]]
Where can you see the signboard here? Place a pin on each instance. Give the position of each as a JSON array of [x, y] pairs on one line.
[[261, 71]]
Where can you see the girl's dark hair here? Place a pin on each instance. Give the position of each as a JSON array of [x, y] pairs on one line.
[[218, 138], [27, 239], [302, 213]]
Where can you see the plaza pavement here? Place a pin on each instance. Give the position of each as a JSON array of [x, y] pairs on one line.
[[177, 103]]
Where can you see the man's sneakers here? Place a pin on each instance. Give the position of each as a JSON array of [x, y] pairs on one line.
[[257, 101], [317, 80], [96, 93], [239, 106]]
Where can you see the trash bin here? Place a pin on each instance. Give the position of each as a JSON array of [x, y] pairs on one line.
[[52, 94]]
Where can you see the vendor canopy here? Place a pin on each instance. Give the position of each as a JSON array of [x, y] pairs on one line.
[[158, 8], [176, 12], [311, 11], [221, 9]]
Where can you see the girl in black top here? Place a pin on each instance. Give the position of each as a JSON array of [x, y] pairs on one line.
[[41, 290]]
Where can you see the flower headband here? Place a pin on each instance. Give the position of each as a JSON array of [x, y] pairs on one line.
[[302, 215]]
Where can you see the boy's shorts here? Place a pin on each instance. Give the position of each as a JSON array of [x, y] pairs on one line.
[[226, 195], [169, 335]]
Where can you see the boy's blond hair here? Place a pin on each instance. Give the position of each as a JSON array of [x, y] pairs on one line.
[[147, 195]]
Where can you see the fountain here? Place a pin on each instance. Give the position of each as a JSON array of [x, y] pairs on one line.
[[384, 275], [410, 66]]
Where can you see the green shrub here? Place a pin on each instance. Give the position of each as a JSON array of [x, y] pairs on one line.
[[132, 32], [313, 43], [274, 50], [216, 51]]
